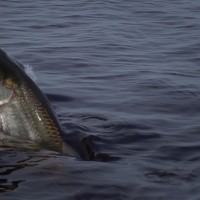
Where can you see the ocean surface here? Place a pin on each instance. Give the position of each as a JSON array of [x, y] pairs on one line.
[[124, 79]]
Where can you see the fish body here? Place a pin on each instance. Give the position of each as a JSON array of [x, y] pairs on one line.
[[25, 112]]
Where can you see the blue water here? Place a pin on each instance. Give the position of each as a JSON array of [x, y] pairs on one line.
[[123, 78]]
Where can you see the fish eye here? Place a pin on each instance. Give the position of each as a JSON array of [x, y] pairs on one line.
[[9, 82]]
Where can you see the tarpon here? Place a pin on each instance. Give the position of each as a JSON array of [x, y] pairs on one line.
[[25, 112]]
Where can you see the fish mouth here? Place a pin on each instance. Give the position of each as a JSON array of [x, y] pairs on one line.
[[25, 111]]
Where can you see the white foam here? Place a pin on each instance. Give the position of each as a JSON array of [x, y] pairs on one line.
[[30, 72]]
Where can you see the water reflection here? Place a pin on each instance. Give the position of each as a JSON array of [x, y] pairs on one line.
[[6, 186], [8, 169], [12, 163], [168, 177]]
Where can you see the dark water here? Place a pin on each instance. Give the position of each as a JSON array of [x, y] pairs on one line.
[[126, 76]]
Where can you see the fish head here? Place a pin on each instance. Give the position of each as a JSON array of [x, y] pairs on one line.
[[11, 71], [9, 80]]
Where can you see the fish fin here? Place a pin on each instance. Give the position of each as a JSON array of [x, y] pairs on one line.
[[68, 150]]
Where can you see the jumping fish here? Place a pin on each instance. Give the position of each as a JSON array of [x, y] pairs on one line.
[[25, 112]]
